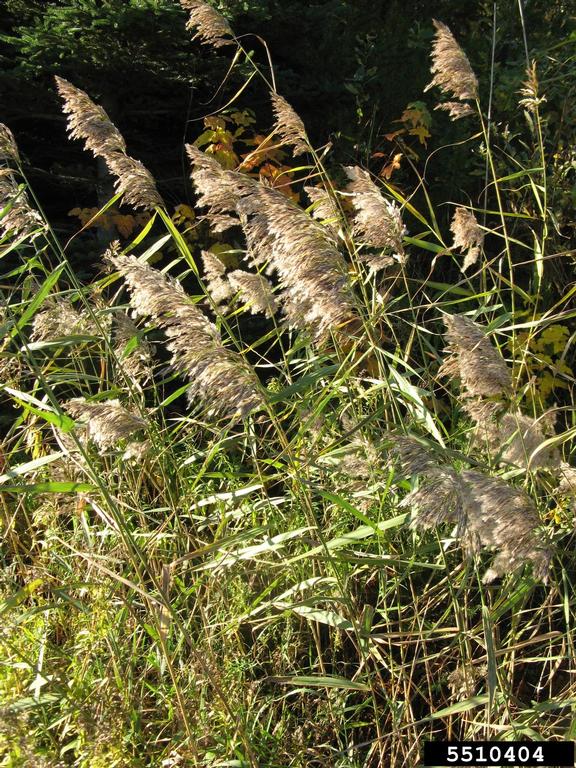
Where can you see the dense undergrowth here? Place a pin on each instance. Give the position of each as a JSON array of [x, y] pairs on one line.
[[289, 483]]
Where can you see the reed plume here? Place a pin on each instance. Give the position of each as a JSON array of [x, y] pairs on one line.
[[9, 154], [107, 423], [464, 680], [21, 219], [10, 369], [90, 122], [58, 318], [311, 271], [219, 190], [289, 125], [504, 518], [134, 182], [438, 501], [468, 235], [136, 362], [410, 456], [507, 435], [282, 237], [363, 458], [325, 209], [531, 99], [567, 485], [514, 438], [216, 284], [486, 511], [456, 109], [256, 290], [473, 360], [211, 27], [377, 221], [218, 376], [452, 72]]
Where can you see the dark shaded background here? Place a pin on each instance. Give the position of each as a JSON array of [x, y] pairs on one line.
[[348, 67]]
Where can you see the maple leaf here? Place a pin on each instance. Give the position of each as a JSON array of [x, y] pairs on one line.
[[86, 214], [416, 113], [225, 155], [125, 224], [392, 166], [422, 132], [279, 177], [265, 150], [215, 123], [243, 118], [394, 134], [182, 213]]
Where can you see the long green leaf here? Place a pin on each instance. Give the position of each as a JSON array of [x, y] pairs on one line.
[[57, 486], [38, 300], [325, 681]]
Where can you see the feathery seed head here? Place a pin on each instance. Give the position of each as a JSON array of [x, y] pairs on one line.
[[256, 290], [289, 125], [567, 484], [531, 99], [311, 271], [10, 370], [88, 121], [325, 209], [59, 318], [136, 363], [137, 451], [107, 422], [456, 109], [437, 501], [216, 284], [218, 376], [355, 465], [516, 439], [162, 298], [468, 235], [482, 411], [451, 68], [463, 681], [363, 458], [473, 360], [503, 517], [411, 457], [213, 267], [361, 461], [8, 148], [134, 182], [486, 511], [220, 291], [377, 221], [219, 190], [211, 27], [21, 219]]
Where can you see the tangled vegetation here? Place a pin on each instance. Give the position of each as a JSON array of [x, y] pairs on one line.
[[290, 480]]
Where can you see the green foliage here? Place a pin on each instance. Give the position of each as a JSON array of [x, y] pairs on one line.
[[112, 37]]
